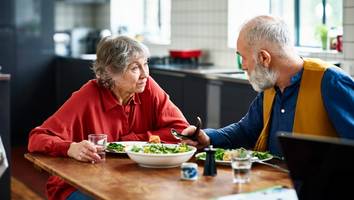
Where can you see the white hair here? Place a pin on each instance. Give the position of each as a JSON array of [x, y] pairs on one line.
[[267, 30]]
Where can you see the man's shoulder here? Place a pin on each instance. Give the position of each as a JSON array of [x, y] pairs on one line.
[[335, 78], [336, 73]]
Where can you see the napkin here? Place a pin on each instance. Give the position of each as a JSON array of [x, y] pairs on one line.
[[3, 160], [272, 193]]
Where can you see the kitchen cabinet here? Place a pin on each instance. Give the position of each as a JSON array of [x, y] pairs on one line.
[[195, 99], [186, 91], [234, 101], [6, 12], [26, 52], [7, 52], [5, 132], [85, 1], [71, 74], [172, 83], [219, 101]]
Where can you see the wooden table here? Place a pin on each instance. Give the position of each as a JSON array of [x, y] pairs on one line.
[[120, 177]]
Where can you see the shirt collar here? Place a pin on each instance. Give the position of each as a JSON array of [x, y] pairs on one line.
[[110, 101], [297, 77], [294, 80]]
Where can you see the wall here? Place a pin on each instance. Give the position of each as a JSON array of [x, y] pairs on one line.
[[203, 24], [200, 24], [73, 15], [348, 36]]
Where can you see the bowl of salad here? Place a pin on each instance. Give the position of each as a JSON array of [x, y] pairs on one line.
[[160, 155]]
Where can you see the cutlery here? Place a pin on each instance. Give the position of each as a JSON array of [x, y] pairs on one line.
[[179, 136], [270, 165]]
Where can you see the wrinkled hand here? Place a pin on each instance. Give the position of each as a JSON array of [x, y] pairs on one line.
[[203, 139], [83, 151]]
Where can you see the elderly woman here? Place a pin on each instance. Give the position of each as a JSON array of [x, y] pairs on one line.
[[122, 102]]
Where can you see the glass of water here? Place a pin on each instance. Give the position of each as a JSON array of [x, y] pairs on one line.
[[241, 163], [100, 141]]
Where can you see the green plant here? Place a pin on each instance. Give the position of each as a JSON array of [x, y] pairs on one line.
[[322, 34]]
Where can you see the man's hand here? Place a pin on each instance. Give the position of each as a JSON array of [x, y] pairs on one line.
[[83, 151], [202, 141]]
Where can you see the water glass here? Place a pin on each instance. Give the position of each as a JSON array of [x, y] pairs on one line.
[[100, 141], [241, 163]]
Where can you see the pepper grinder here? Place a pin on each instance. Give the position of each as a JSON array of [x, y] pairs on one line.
[[209, 165]]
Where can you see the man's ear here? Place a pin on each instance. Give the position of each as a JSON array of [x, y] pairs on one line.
[[264, 58]]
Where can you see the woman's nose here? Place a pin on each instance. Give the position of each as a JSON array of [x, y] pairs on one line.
[[144, 72]]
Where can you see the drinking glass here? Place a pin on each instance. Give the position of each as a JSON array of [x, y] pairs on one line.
[[241, 163], [100, 141]]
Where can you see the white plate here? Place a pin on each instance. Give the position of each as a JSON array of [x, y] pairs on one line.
[[161, 160], [126, 144], [223, 162]]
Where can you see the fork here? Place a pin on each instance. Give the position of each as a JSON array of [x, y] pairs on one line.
[[179, 136]]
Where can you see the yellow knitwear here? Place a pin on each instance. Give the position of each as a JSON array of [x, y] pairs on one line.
[[310, 114]]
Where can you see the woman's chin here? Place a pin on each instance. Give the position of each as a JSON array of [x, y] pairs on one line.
[[140, 89]]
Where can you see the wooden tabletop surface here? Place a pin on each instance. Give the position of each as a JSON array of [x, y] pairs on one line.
[[120, 177]]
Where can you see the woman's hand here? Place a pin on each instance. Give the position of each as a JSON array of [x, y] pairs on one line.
[[202, 141], [83, 151]]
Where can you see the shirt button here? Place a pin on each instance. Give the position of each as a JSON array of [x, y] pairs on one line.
[[282, 110]]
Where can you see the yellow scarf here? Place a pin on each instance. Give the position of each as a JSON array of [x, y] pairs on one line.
[[310, 115]]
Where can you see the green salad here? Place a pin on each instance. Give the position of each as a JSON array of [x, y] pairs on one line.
[[225, 154], [119, 148], [161, 149]]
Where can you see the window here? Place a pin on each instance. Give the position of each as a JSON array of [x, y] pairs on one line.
[[241, 10], [312, 14], [302, 17], [147, 20]]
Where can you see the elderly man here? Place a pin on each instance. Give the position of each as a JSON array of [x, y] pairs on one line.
[[306, 96]]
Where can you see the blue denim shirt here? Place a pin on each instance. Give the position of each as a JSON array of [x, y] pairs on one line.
[[338, 97]]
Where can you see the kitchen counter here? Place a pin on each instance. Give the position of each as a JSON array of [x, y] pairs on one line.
[[4, 77], [211, 72], [208, 72]]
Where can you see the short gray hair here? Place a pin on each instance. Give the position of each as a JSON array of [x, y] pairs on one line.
[[114, 54], [269, 29]]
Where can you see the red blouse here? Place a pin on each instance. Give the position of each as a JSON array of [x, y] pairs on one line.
[[94, 109]]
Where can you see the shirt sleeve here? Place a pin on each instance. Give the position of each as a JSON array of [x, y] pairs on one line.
[[56, 134], [166, 114], [243, 133], [338, 95]]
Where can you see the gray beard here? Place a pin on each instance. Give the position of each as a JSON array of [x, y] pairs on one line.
[[262, 78]]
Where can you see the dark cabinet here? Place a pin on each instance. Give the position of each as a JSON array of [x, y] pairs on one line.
[[172, 83], [26, 52], [7, 12], [71, 74], [187, 92], [7, 50], [218, 102], [234, 101], [195, 99], [86, 1], [5, 132]]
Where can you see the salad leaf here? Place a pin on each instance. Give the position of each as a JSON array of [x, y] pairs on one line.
[[116, 147], [161, 149], [219, 154]]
